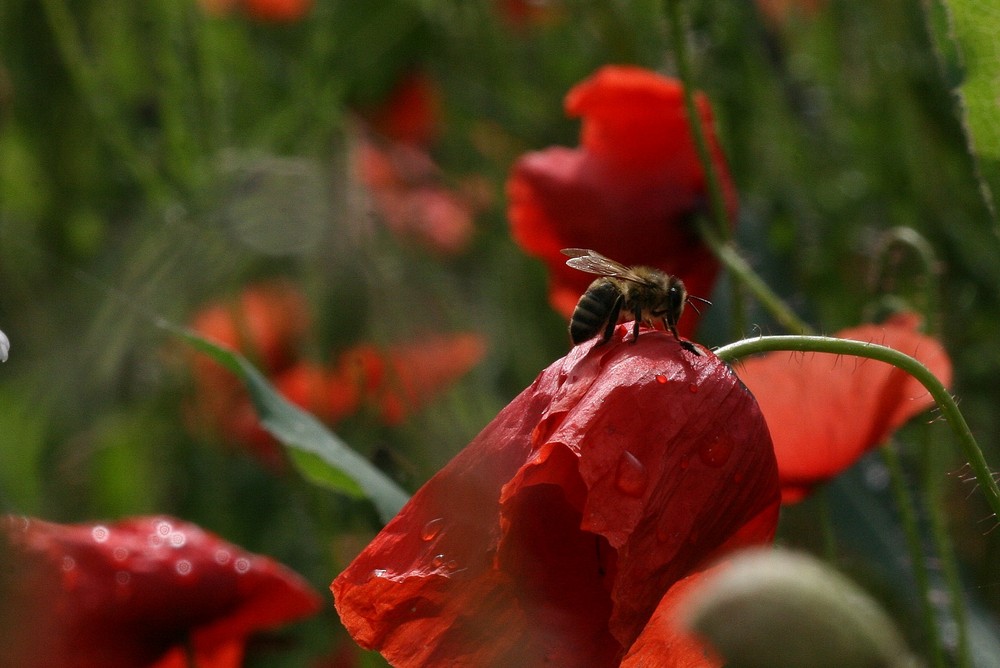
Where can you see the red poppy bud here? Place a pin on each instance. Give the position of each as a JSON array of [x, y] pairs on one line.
[[826, 411], [138, 592], [629, 192], [553, 536]]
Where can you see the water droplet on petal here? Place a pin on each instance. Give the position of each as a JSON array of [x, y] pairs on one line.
[[122, 578], [242, 565], [717, 452], [222, 557], [437, 561], [120, 553], [452, 564], [68, 564], [100, 533], [692, 388], [183, 567], [630, 476], [163, 528], [380, 572], [661, 379], [685, 463], [177, 539], [432, 529]]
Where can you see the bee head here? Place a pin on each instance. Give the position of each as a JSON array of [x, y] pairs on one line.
[[674, 299]]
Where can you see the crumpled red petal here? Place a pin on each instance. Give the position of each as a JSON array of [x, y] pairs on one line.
[[552, 537], [630, 191], [136, 593], [825, 411]]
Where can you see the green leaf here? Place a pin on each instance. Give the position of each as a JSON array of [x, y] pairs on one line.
[[319, 455], [974, 27]]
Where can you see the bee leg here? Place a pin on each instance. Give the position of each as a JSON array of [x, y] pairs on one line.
[[616, 310], [635, 325], [686, 345]]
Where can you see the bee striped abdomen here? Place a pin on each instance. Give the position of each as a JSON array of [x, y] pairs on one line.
[[600, 304]]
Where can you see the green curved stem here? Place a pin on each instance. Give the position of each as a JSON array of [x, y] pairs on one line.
[[946, 403]]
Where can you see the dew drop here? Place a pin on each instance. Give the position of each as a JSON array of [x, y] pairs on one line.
[[630, 476], [432, 529], [163, 529], [437, 561], [692, 388], [122, 578], [68, 564], [183, 567], [222, 557], [661, 379], [379, 572], [452, 564], [100, 534], [717, 452], [120, 553], [177, 539], [242, 565], [685, 463]]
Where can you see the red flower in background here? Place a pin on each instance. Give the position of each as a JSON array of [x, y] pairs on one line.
[[407, 187], [826, 411], [266, 11], [268, 324], [412, 112], [140, 592], [397, 381], [629, 191], [554, 535]]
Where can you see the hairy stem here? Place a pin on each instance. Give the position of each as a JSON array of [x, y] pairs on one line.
[[946, 403]]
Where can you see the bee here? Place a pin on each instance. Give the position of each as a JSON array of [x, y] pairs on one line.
[[645, 292]]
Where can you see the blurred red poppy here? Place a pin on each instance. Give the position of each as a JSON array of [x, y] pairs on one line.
[[630, 191], [266, 11], [412, 112], [268, 323], [825, 411], [553, 536], [526, 13], [145, 591], [408, 192]]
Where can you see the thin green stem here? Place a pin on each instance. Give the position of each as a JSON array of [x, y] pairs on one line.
[[85, 78], [946, 403], [932, 466], [678, 35], [718, 236], [914, 545], [746, 276]]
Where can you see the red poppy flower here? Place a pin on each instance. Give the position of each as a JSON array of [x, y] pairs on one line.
[[553, 536], [140, 592], [277, 11], [412, 112], [825, 411], [630, 191], [401, 379], [266, 324], [408, 193]]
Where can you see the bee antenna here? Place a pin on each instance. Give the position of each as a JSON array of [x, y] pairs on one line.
[[701, 299]]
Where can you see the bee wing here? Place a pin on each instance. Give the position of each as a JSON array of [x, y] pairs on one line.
[[593, 262]]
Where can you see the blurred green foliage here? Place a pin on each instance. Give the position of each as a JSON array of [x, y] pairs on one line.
[[145, 148]]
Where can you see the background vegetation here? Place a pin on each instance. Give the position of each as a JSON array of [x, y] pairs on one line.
[[161, 155]]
